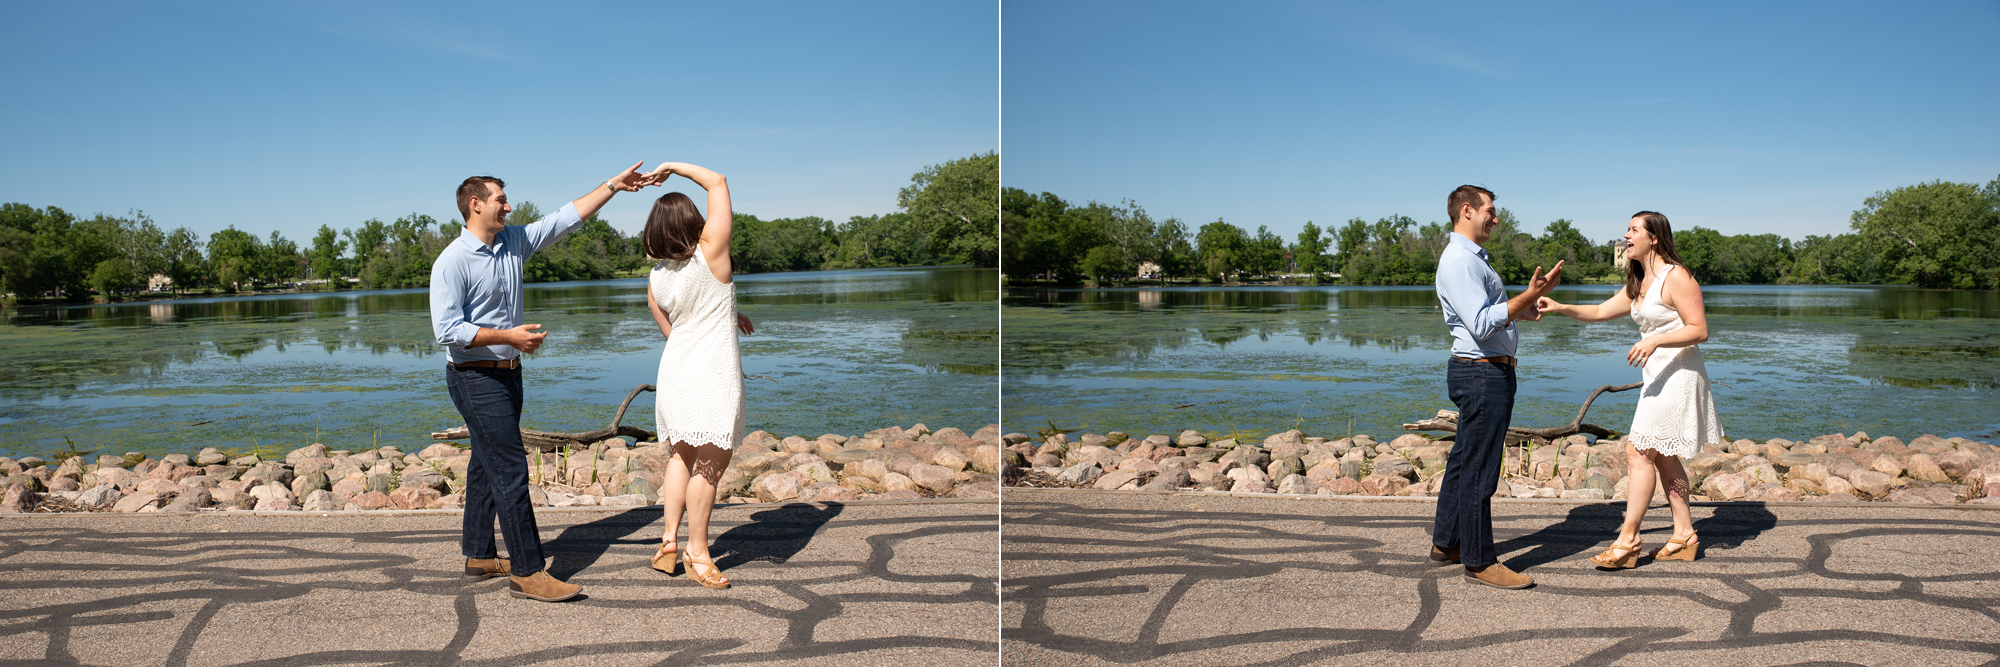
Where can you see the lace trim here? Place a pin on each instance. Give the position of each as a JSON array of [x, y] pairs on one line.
[[1665, 444], [723, 439]]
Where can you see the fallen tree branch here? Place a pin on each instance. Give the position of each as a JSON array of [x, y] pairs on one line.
[[1447, 420], [547, 441]]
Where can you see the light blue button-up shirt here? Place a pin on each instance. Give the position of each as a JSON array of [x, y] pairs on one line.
[[475, 286], [1475, 302]]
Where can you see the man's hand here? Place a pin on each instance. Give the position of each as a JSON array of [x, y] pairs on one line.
[[629, 180], [743, 324], [524, 338], [1541, 284]]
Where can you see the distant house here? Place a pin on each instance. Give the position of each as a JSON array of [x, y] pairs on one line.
[[1148, 270], [159, 283], [1618, 254]]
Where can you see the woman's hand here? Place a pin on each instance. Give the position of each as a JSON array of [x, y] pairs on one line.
[[658, 175], [1641, 351], [1545, 305], [743, 324]]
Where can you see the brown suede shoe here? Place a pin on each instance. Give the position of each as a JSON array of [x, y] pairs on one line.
[[1443, 557], [541, 586], [481, 569], [1498, 576]]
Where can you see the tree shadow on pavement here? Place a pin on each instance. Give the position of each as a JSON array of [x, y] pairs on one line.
[[773, 535]]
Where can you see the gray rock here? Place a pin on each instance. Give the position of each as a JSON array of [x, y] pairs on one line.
[[103, 495], [137, 502], [377, 483], [1296, 484], [1170, 479], [1081, 474], [322, 500], [1115, 480]]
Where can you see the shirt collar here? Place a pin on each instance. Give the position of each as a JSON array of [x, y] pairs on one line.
[[473, 243], [1457, 239]]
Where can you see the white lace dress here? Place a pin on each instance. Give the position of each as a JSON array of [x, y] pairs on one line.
[[1676, 413], [699, 392]]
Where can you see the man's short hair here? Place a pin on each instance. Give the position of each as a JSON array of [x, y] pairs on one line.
[[1465, 195], [475, 187]]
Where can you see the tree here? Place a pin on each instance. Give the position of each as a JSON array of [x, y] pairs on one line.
[[1106, 261], [1935, 234], [955, 205], [325, 256], [1310, 252], [1221, 247], [114, 276], [235, 254], [183, 256]]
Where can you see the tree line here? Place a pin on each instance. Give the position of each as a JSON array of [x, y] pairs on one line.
[[1937, 235], [947, 216]]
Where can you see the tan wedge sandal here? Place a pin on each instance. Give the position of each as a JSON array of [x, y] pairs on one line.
[[1612, 560], [664, 560], [1686, 550], [713, 579]]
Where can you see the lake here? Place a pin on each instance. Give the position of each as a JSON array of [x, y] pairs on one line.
[[1791, 361], [838, 351]]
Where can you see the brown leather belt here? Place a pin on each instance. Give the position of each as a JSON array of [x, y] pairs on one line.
[[488, 363], [1501, 360]]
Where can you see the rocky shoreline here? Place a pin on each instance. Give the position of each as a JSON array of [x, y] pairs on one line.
[[1832, 468], [891, 463]]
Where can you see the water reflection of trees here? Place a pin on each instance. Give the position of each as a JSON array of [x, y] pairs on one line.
[[59, 348], [1941, 357], [1053, 329]]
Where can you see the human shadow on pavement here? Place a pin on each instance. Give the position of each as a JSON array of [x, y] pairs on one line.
[[1587, 526], [1732, 526], [1579, 531], [773, 535], [579, 546]]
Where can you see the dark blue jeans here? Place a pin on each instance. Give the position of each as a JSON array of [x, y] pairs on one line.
[[1485, 397], [496, 480]]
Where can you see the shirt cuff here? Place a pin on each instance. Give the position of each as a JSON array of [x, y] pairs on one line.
[[460, 335]]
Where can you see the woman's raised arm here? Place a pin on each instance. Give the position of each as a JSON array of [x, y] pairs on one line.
[[720, 223]]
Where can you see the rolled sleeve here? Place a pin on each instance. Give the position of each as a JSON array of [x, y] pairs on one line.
[[448, 322], [551, 228]]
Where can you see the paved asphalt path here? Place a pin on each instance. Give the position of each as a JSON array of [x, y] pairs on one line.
[[862, 584], [1096, 577]]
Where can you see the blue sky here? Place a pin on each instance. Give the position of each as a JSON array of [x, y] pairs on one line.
[[288, 116], [1742, 117]]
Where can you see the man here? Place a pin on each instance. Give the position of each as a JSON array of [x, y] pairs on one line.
[[1480, 379], [476, 315]]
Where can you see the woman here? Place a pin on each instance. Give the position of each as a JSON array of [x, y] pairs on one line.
[[700, 388], [1676, 414]]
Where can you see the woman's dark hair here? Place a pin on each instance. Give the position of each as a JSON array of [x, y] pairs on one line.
[[1663, 245], [673, 229]]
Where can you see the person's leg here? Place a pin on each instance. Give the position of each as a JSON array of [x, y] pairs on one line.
[[497, 450], [476, 527], [1638, 492], [1482, 430], [673, 491], [1445, 530], [708, 463], [1675, 477]]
